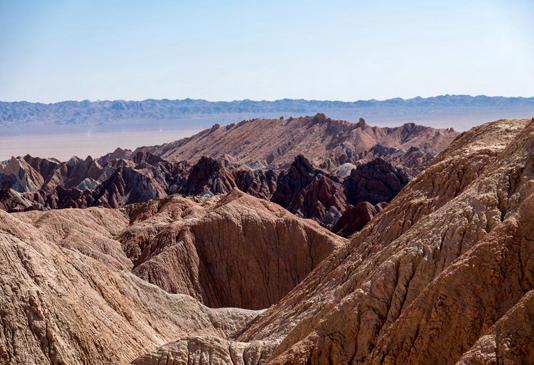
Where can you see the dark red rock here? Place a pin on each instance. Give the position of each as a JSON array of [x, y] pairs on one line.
[[208, 176], [310, 192], [356, 217], [376, 181], [259, 183]]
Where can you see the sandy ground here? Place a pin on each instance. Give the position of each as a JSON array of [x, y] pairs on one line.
[[64, 146]]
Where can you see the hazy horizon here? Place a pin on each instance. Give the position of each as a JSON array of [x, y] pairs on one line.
[[65, 146]]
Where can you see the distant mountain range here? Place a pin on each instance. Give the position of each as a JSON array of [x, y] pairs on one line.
[[458, 111]]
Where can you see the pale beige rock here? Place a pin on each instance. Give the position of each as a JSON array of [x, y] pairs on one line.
[[209, 350], [24, 177], [66, 296]]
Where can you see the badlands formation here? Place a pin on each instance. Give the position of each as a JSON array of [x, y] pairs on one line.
[[443, 274], [324, 141], [99, 285], [315, 167]]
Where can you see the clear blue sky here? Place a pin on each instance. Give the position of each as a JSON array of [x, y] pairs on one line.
[[226, 50]]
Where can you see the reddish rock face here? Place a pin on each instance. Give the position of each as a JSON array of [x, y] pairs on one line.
[[258, 183], [356, 217], [310, 192], [276, 142], [376, 181], [208, 176], [238, 251]]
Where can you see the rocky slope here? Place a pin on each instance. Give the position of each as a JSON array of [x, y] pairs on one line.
[[322, 140], [67, 296], [428, 282], [236, 251], [72, 288], [445, 276]]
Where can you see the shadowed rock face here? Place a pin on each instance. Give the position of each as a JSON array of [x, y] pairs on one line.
[[259, 183], [307, 191], [310, 192], [83, 183], [47, 184], [376, 181], [208, 176], [356, 217], [239, 252]]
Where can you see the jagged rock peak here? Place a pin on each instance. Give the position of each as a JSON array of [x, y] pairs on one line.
[[319, 118], [361, 123]]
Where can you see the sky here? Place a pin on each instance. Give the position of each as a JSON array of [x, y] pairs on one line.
[[264, 50]]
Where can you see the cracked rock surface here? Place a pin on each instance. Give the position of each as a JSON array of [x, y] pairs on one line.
[[444, 276]]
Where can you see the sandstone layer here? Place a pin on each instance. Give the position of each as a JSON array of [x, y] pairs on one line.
[[276, 142]]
